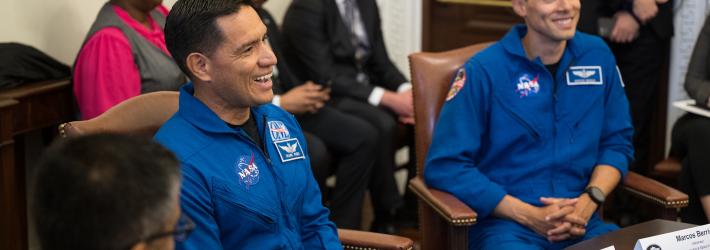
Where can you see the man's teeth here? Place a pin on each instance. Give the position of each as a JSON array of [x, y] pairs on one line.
[[264, 78], [564, 21]]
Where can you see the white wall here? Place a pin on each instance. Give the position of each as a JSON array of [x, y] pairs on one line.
[[277, 8], [56, 27], [402, 29]]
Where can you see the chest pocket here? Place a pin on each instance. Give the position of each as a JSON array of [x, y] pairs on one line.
[[579, 103], [293, 172], [295, 176], [241, 213]]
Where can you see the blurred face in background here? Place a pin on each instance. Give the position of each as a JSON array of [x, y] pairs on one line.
[[141, 5]]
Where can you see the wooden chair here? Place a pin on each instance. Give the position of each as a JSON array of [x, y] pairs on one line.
[[443, 219], [668, 170], [143, 115]]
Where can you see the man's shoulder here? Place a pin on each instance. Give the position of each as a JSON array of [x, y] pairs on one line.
[[587, 43], [273, 111], [493, 51], [181, 137], [488, 57]]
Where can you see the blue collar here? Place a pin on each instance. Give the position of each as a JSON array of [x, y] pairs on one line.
[[513, 42], [198, 114]]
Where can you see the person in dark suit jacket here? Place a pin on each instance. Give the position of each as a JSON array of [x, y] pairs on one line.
[[324, 125], [340, 41], [636, 31]]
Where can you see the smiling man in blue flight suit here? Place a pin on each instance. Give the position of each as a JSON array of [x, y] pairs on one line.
[[247, 182], [547, 131]]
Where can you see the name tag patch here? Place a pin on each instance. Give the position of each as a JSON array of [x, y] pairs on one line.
[[289, 150], [585, 75]]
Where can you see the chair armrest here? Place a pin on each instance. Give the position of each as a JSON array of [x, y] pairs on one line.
[[655, 191], [449, 207], [352, 239], [669, 167], [67, 130]]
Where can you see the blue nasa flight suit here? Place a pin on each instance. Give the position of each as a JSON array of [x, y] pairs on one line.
[[239, 196], [514, 129]]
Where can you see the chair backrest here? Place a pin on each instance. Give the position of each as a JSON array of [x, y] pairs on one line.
[[431, 77], [140, 115]]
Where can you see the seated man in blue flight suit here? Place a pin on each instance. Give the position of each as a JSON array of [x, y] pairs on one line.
[[247, 182], [548, 133]]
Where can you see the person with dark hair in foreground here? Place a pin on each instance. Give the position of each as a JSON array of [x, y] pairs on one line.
[[247, 181], [108, 191], [548, 133]]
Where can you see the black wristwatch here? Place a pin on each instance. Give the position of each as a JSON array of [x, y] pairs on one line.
[[595, 194]]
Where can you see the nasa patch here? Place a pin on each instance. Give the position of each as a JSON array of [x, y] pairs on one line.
[[247, 171], [526, 86], [278, 131]]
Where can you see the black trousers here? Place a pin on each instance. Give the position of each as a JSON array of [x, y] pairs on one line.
[[640, 64], [351, 141], [690, 141], [383, 188]]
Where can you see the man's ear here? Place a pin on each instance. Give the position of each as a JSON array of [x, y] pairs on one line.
[[520, 7], [199, 66]]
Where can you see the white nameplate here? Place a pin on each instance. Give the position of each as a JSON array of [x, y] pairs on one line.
[[691, 238]]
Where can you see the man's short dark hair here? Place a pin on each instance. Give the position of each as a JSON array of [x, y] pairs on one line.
[[191, 27], [103, 191]]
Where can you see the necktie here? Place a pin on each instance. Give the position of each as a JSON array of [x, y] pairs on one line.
[[361, 48]]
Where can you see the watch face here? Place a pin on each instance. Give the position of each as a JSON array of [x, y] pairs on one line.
[[596, 194]]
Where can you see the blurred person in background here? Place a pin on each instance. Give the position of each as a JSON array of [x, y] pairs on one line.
[[690, 138], [124, 55], [341, 41]]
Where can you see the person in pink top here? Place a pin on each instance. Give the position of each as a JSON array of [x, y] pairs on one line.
[[124, 55]]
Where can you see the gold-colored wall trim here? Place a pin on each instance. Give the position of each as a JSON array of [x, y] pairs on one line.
[[497, 3]]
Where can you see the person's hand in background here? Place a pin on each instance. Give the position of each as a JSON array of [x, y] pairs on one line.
[[625, 28], [305, 98], [645, 10]]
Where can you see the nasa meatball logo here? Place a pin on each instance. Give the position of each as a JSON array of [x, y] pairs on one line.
[[247, 171], [527, 86]]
